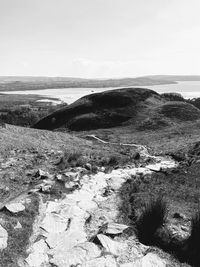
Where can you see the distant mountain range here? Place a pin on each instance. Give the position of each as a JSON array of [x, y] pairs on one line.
[[35, 83], [174, 78], [16, 83]]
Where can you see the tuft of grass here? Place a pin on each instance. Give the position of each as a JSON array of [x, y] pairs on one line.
[[71, 159], [152, 218]]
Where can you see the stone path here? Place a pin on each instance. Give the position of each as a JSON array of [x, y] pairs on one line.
[[77, 230]]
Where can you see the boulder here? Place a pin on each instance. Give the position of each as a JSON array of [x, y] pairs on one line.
[[15, 207]]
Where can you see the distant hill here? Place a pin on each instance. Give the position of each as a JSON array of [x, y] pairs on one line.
[[16, 83], [143, 108], [173, 78]]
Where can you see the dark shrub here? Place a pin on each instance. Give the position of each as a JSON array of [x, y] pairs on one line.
[[191, 249], [151, 219], [173, 97]]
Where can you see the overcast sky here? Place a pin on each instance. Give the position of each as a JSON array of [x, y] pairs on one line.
[[99, 38]]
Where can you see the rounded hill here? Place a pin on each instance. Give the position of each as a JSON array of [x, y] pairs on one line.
[[99, 110]]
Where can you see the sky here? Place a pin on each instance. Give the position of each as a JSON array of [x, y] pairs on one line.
[[99, 38]]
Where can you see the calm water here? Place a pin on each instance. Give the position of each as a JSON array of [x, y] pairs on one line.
[[69, 95]]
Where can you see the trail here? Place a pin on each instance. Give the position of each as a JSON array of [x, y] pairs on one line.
[[75, 230]]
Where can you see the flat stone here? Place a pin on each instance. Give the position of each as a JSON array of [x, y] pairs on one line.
[[115, 228], [154, 167], [15, 207], [111, 246], [38, 256], [53, 223], [87, 205], [3, 238], [61, 242], [106, 261], [77, 255]]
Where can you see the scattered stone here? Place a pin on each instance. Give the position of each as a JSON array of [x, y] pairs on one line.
[[46, 186], [71, 185], [41, 174], [59, 177], [3, 238], [15, 207]]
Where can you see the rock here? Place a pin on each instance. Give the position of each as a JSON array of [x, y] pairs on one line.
[[77, 255], [15, 207], [41, 174], [18, 225], [71, 176], [3, 238], [106, 261], [71, 185], [150, 260], [115, 228], [46, 186], [38, 256], [154, 167], [53, 223], [58, 177], [111, 246], [88, 166], [61, 242]]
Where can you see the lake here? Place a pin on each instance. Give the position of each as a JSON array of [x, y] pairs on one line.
[[190, 89]]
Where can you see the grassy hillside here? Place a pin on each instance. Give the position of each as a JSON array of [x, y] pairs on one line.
[[143, 108], [174, 78]]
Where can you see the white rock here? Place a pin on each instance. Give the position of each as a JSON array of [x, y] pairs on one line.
[[111, 246], [61, 242], [53, 223], [38, 256], [115, 228], [15, 207], [77, 255], [87, 205], [18, 225], [3, 238], [154, 167], [106, 261], [150, 260]]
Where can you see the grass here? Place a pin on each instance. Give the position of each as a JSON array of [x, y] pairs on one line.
[[18, 239], [76, 158]]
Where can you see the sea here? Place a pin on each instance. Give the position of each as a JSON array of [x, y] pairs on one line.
[[188, 89]]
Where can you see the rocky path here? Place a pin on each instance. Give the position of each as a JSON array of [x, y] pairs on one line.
[[83, 229]]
